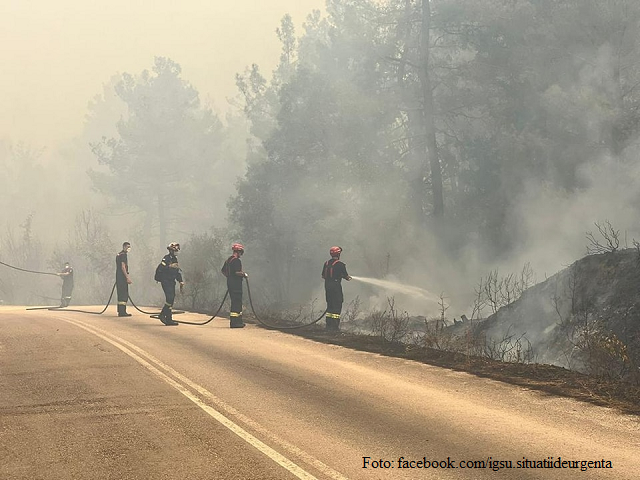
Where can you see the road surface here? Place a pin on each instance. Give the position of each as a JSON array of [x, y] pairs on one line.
[[101, 397]]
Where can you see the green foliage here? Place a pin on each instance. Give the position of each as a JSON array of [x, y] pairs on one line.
[[167, 144], [91, 252], [516, 92], [23, 250], [200, 262]]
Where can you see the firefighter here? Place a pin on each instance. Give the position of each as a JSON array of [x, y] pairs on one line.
[[232, 269], [123, 280], [169, 273], [67, 284], [333, 272]]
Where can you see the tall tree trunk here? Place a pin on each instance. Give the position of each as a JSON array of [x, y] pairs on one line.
[[415, 125], [433, 159]]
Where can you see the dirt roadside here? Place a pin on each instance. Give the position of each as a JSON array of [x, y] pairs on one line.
[[549, 379]]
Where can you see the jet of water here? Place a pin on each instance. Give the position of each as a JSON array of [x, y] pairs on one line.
[[399, 287]]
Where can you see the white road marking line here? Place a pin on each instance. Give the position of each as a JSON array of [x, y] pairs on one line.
[[127, 348]]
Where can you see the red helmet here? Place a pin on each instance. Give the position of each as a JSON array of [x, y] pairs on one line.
[[335, 250], [237, 247]]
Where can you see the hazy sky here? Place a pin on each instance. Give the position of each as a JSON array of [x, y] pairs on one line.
[[55, 55]]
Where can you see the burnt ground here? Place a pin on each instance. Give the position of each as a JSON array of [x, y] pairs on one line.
[[548, 379]]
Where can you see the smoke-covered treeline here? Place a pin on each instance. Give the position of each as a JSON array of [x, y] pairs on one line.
[[411, 129], [434, 140], [164, 165]]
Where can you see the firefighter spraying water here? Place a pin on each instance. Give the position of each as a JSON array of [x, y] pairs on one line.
[[168, 272], [333, 272]]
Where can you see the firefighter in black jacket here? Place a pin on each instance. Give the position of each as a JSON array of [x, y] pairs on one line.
[[169, 273], [333, 272], [67, 284], [232, 269], [123, 280]]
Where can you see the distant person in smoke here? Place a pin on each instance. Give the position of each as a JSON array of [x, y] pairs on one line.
[[232, 269], [167, 273], [123, 280], [333, 272], [67, 284]]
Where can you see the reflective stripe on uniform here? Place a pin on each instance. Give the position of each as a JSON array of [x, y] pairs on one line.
[[122, 303], [235, 314]]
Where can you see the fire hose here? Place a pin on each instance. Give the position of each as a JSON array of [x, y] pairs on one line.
[[155, 315], [273, 327], [28, 271], [260, 321], [65, 309]]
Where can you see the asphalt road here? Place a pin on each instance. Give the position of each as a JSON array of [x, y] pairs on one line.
[[101, 397]]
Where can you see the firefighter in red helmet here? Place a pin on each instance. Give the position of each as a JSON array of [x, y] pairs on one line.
[[333, 272], [232, 269]]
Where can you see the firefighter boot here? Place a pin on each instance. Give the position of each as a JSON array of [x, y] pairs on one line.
[[165, 316], [328, 323], [122, 311], [235, 321], [169, 318], [333, 324]]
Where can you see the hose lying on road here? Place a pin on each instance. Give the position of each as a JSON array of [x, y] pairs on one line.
[[152, 314], [260, 321], [65, 309], [59, 307], [155, 315], [206, 321]]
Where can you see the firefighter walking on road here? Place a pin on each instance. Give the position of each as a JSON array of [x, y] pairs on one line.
[[169, 273], [333, 272], [232, 269], [123, 280], [67, 284]]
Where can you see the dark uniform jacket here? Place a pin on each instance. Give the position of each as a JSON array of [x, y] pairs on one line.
[[121, 258], [231, 266], [67, 280], [334, 271], [168, 274]]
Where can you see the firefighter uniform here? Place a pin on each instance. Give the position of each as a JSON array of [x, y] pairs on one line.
[[333, 272], [67, 285], [169, 273], [232, 269], [122, 280]]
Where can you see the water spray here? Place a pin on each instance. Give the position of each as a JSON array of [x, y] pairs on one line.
[[400, 288]]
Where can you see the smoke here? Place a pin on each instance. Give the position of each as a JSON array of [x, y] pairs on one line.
[[360, 207], [553, 223]]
